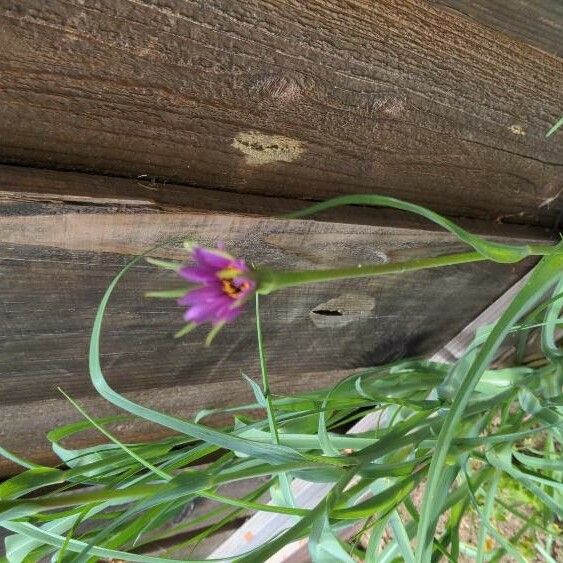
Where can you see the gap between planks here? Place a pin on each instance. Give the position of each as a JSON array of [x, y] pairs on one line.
[[55, 192]]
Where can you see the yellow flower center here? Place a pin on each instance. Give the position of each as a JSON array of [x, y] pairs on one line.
[[232, 290]]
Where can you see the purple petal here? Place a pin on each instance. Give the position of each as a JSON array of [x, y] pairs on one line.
[[203, 294], [197, 274], [239, 264], [201, 313], [222, 309], [214, 301], [226, 314], [211, 258]]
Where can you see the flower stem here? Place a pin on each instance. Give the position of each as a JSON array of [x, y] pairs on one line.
[[270, 280], [282, 477], [265, 378]]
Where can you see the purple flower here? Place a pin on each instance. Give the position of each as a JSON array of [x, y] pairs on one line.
[[225, 286]]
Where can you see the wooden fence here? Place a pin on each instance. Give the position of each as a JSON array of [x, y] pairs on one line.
[[125, 122]]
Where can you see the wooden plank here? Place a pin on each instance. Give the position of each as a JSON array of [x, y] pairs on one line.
[[305, 100], [55, 267], [537, 22], [67, 260]]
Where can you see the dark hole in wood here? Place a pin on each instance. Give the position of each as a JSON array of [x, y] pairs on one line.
[[328, 312]]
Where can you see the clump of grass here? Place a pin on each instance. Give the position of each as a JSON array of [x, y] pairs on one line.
[[465, 433]]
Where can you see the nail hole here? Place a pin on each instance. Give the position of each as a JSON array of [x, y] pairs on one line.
[[328, 312]]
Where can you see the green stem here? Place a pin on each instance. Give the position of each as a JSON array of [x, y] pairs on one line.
[[270, 280], [265, 378], [283, 478]]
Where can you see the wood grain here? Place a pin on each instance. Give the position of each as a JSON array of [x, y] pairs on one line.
[[301, 99], [537, 22]]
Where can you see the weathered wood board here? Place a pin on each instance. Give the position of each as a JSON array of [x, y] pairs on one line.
[[536, 22], [413, 98], [57, 260], [56, 267]]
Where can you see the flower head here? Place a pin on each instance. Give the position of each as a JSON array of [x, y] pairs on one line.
[[225, 285]]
